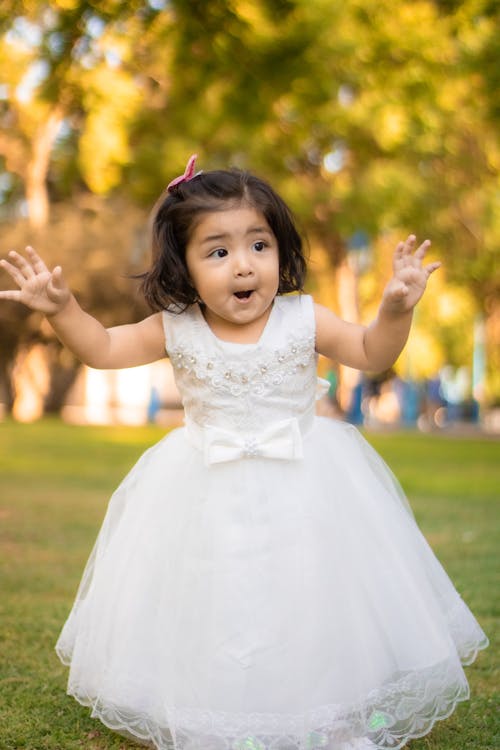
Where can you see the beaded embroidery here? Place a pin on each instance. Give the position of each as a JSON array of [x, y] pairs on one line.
[[237, 377], [223, 383]]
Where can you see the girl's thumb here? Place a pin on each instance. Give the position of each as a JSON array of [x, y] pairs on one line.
[[57, 285], [57, 278]]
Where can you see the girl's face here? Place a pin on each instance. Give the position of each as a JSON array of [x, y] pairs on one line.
[[233, 260]]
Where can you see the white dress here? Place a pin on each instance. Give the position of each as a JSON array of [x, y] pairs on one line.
[[259, 582]]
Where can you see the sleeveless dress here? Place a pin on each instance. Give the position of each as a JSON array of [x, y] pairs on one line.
[[259, 581]]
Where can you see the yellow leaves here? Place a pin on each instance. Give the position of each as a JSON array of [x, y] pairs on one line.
[[67, 4], [417, 13], [112, 99], [322, 280], [453, 305], [473, 36], [103, 149], [422, 357], [443, 324], [392, 127], [253, 13], [15, 62], [459, 96]]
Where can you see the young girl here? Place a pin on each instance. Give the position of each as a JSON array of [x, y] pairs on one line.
[[259, 582]]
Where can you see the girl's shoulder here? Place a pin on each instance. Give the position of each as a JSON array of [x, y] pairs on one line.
[[178, 310], [301, 305], [178, 321], [296, 312]]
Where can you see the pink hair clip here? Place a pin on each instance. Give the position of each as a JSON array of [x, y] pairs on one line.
[[189, 173]]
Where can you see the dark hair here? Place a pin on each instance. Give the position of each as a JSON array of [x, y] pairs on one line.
[[167, 283]]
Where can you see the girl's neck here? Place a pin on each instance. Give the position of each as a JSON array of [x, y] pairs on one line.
[[236, 333]]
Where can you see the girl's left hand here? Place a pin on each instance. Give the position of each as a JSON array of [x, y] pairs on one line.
[[410, 276]]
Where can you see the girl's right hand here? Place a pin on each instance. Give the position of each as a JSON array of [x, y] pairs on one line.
[[39, 288]]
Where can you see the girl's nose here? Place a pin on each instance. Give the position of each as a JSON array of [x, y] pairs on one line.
[[242, 264]]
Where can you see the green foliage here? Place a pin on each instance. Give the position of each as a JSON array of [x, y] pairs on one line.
[[55, 482], [366, 114], [403, 93]]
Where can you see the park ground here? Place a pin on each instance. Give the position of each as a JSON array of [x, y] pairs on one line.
[[55, 481]]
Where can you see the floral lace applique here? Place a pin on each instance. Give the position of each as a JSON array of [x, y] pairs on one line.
[[268, 370]]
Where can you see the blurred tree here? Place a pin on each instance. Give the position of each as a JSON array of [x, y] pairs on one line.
[[63, 138], [61, 61], [370, 114], [366, 114]]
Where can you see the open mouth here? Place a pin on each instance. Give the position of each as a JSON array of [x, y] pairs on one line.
[[244, 295]]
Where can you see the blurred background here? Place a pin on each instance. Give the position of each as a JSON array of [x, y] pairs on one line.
[[372, 118]]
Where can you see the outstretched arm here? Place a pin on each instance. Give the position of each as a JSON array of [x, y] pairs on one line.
[[376, 347], [46, 291]]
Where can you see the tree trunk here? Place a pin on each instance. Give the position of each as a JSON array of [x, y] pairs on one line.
[[38, 167], [348, 299]]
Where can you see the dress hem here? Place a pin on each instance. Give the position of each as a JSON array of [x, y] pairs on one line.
[[147, 732]]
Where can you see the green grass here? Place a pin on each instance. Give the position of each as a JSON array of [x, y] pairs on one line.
[[55, 481]]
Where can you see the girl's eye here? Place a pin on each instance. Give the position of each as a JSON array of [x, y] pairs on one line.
[[259, 246], [219, 253]]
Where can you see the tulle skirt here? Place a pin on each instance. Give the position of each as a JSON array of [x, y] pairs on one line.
[[267, 605]]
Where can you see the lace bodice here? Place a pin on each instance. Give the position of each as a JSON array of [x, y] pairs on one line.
[[245, 386]]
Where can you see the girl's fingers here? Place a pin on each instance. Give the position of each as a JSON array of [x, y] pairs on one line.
[[36, 261], [22, 264], [398, 259], [431, 267], [56, 285], [11, 294], [399, 291], [404, 251], [399, 250], [13, 272], [409, 244], [396, 289], [406, 255], [421, 251], [57, 278]]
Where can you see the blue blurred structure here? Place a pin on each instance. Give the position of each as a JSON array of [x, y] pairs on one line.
[[410, 403], [154, 404], [478, 365], [354, 414], [435, 403]]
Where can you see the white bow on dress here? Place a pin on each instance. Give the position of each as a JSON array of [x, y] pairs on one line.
[[282, 440]]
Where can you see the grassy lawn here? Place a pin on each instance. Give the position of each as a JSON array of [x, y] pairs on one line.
[[55, 481]]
